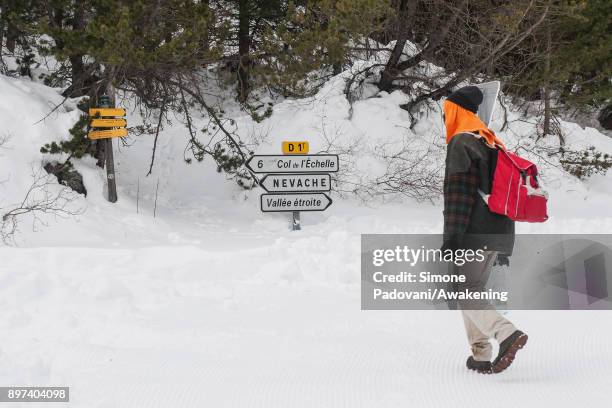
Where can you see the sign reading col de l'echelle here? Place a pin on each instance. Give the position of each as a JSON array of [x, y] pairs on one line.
[[299, 163]]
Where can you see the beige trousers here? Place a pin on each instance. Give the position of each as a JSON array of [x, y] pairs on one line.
[[482, 321]]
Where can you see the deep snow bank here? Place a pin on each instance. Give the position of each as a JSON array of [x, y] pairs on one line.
[[373, 137]]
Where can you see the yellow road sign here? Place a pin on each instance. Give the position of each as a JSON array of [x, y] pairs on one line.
[[105, 134], [295, 147], [106, 112], [108, 123]]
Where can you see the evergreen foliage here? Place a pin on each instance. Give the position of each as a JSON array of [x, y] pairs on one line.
[[166, 54]]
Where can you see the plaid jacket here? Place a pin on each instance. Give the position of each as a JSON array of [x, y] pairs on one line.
[[468, 223], [460, 193]]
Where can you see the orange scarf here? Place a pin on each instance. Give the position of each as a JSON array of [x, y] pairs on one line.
[[458, 120]]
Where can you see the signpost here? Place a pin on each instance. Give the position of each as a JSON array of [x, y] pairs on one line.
[[296, 180], [106, 125]]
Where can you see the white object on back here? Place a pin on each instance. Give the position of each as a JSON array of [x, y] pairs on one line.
[[489, 92]]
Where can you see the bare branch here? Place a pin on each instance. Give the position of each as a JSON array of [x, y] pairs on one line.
[[41, 198]]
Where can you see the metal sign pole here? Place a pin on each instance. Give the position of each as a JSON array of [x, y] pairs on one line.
[[296, 221], [288, 148]]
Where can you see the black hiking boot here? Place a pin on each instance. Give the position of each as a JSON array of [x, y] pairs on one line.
[[482, 367], [508, 349]]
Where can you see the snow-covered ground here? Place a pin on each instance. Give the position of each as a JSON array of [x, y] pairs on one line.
[[212, 303]]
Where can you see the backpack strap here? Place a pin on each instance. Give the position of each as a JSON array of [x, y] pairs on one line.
[[482, 194], [478, 136]]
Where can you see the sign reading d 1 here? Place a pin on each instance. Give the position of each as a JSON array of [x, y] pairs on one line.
[[298, 163], [295, 147]]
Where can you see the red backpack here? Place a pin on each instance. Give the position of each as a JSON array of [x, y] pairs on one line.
[[516, 192]]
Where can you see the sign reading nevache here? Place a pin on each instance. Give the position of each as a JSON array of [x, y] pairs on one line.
[[276, 183]]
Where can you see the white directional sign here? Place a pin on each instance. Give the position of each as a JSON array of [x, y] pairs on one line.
[[297, 163], [295, 202], [277, 183]]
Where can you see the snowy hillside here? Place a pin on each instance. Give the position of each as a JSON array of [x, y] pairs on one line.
[[212, 303]]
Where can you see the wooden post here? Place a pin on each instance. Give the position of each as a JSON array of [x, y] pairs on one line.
[[110, 172], [111, 182]]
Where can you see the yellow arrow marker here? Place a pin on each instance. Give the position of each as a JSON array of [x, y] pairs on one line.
[[106, 112], [106, 134], [108, 123], [295, 147]]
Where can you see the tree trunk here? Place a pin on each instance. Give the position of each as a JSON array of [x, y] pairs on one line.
[[390, 72], [100, 153], [244, 45], [11, 36], [12, 32], [442, 26], [337, 68], [546, 89], [406, 11], [210, 21], [76, 61], [2, 23], [77, 67]]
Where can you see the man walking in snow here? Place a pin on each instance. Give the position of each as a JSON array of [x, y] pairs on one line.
[[468, 223]]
